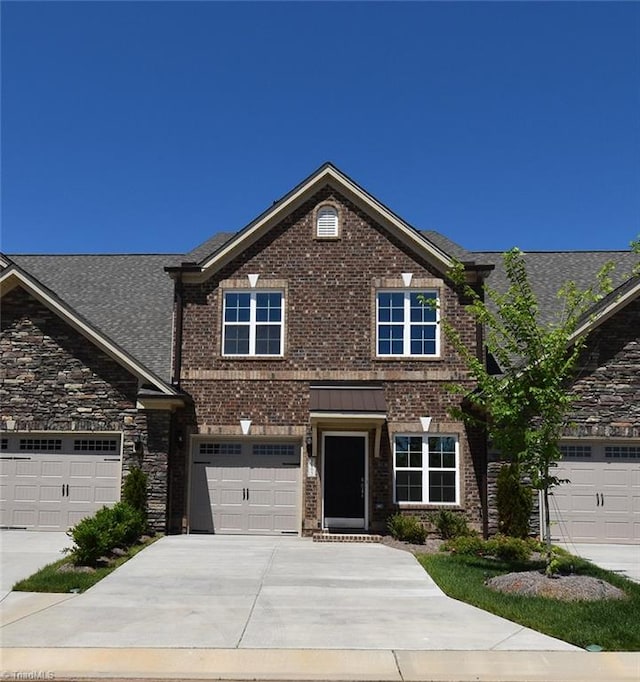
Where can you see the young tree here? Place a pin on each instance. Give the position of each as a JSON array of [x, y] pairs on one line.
[[525, 407]]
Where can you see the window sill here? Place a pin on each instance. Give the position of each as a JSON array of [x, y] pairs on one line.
[[405, 358], [429, 505]]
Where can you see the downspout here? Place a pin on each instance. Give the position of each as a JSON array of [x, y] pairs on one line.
[[175, 380], [177, 336]]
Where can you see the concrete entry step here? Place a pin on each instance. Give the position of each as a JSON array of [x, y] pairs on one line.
[[346, 537]]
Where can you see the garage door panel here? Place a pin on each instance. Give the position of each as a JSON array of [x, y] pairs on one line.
[[82, 469], [618, 530], [602, 498], [50, 493], [48, 490], [247, 486], [81, 494], [285, 498], [28, 468], [615, 477], [26, 493], [260, 523], [50, 469], [232, 496], [615, 503], [226, 522]]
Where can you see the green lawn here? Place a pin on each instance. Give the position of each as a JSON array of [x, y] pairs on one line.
[[50, 579], [613, 625]]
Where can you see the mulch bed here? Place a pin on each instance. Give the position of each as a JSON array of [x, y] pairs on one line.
[[564, 587]]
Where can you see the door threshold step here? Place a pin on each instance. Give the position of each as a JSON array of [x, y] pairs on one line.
[[346, 537]]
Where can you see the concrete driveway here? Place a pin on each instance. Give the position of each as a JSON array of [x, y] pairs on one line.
[[24, 552], [265, 593], [622, 559]]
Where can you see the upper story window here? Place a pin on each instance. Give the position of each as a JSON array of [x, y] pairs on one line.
[[426, 469], [253, 323], [327, 222], [407, 323]]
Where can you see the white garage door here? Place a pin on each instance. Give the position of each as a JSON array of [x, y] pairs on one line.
[[52, 481], [602, 501], [245, 488]]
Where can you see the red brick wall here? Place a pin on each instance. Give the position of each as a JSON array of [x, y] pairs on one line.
[[330, 334]]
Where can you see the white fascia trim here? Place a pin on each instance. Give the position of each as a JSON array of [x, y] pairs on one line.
[[98, 339], [606, 313], [343, 184]]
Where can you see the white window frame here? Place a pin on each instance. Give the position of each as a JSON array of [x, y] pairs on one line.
[[253, 323], [407, 324], [426, 470]]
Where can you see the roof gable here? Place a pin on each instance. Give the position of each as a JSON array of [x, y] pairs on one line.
[[14, 276], [226, 249]]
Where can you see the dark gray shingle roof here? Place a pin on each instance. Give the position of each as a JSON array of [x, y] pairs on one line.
[[128, 298], [450, 248], [549, 270], [205, 249]]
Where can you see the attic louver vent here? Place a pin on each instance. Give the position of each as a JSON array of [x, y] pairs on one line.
[[327, 222]]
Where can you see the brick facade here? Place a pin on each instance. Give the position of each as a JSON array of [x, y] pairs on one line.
[[54, 379], [329, 288]]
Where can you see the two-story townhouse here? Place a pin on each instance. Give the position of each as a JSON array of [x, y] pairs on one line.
[[311, 347]]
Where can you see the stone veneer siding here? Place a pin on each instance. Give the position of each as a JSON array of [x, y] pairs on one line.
[[606, 390], [53, 379], [329, 335], [607, 387]]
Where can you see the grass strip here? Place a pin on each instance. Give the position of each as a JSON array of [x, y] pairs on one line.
[[613, 625], [51, 579]]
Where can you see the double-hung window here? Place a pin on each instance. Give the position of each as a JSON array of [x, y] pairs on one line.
[[253, 323], [426, 469], [407, 323]]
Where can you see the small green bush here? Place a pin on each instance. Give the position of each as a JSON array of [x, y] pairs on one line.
[[451, 525], [90, 542], [508, 549], [406, 529], [468, 545], [110, 527], [134, 490], [563, 563]]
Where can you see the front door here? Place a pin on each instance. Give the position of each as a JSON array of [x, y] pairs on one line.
[[344, 480]]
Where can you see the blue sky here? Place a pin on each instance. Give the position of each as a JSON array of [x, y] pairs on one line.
[[147, 127]]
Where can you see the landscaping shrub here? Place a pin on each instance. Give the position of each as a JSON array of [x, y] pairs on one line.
[[514, 502], [134, 490], [451, 525], [507, 548], [110, 527], [407, 529], [563, 563], [469, 545]]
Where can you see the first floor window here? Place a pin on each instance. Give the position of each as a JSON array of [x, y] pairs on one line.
[[426, 469], [253, 323]]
